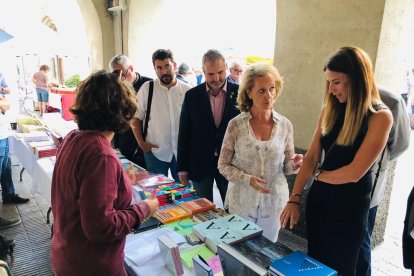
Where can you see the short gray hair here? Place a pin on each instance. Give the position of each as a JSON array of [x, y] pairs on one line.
[[119, 59], [235, 62], [213, 55], [184, 69]]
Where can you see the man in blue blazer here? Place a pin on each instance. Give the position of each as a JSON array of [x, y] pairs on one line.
[[205, 114]]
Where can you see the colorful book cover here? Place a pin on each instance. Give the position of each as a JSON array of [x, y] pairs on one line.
[[185, 199], [209, 215], [183, 227], [215, 265], [298, 263], [198, 206], [170, 215], [198, 250]]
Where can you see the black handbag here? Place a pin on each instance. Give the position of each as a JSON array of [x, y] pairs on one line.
[[138, 156]]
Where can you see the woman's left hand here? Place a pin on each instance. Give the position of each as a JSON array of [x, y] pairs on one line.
[[297, 161]]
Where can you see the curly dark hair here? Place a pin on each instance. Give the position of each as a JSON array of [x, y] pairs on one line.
[[104, 102], [162, 54]]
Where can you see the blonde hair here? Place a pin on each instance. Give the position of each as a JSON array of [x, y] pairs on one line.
[[246, 85], [362, 95]]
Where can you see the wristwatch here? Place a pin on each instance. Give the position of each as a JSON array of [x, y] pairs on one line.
[[316, 174]]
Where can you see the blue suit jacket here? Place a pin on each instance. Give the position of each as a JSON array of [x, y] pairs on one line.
[[199, 138]]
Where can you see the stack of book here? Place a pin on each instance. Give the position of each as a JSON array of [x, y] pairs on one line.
[[167, 193], [34, 144], [210, 267], [298, 263], [45, 151], [197, 206], [171, 255], [172, 214], [209, 215], [255, 254], [227, 229]]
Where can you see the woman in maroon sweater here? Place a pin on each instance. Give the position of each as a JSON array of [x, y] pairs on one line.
[[91, 193]]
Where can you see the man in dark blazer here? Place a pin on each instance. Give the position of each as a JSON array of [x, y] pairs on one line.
[[205, 114]]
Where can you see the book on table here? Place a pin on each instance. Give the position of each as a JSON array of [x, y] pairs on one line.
[[209, 215], [183, 227], [210, 267], [201, 268], [172, 214], [237, 266], [198, 206], [298, 263], [148, 224], [197, 250], [260, 250], [227, 229], [171, 255]]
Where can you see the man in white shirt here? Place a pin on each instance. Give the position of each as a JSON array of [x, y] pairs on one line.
[[160, 144]]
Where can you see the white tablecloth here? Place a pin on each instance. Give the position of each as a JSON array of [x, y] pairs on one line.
[[22, 151], [42, 177], [40, 170]]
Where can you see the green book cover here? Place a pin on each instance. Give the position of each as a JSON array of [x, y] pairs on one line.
[[183, 227], [198, 250]]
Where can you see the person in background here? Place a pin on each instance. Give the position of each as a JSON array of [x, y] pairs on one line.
[[353, 130], [91, 192], [408, 234], [4, 88], [125, 141], [41, 81], [398, 142], [206, 112], [7, 186], [160, 145], [236, 71], [184, 73], [258, 151]]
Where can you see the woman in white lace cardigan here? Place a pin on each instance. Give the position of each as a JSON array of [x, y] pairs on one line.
[[258, 151]]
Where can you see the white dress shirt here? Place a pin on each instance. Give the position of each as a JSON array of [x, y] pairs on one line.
[[164, 120]]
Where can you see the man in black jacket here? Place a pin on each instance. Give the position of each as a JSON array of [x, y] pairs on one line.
[[125, 141], [206, 112]]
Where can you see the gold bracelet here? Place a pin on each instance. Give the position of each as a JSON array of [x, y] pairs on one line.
[[295, 194], [294, 202]]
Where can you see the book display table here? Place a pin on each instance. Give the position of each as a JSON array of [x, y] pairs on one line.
[[39, 169]]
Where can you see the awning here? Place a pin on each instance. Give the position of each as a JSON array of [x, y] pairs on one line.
[[4, 36]]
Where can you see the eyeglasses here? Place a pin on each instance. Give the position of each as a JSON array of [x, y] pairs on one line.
[[119, 73], [237, 71]]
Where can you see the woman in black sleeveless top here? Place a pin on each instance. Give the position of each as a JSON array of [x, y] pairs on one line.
[[352, 130]]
